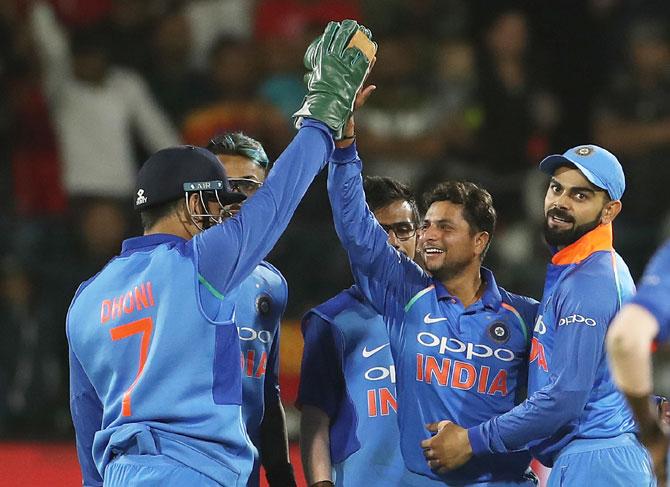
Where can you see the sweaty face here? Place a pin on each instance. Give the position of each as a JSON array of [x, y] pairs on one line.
[[446, 241], [398, 220], [244, 176], [572, 207]]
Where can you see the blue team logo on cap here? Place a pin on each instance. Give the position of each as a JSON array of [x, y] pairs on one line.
[[584, 151], [499, 332]]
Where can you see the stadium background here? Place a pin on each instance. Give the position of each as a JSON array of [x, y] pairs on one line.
[[466, 89]]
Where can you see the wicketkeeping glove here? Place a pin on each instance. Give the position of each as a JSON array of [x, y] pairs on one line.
[[338, 61]]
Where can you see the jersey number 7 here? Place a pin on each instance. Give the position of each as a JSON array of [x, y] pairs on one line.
[[145, 327]]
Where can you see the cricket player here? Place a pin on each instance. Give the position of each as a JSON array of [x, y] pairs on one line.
[[349, 432], [645, 318], [574, 420], [260, 307], [154, 351], [460, 342]]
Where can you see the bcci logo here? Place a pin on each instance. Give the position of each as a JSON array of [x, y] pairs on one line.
[[263, 304], [584, 151], [499, 332], [141, 199]]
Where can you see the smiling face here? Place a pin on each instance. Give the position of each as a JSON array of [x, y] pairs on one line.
[[573, 206], [447, 241]]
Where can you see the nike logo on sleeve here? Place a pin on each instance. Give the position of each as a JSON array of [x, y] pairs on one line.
[[369, 353], [429, 321]]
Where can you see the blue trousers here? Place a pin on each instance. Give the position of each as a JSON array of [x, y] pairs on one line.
[[609, 462]]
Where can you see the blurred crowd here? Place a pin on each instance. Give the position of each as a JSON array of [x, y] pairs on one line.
[[468, 89]]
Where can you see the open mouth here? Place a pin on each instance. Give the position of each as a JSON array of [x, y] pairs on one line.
[[432, 251], [558, 220]]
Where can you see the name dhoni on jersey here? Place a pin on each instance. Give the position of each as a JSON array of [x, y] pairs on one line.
[[135, 299]]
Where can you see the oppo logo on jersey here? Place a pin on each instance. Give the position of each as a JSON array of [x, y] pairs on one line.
[[381, 373], [569, 320], [471, 350], [540, 327], [249, 334]]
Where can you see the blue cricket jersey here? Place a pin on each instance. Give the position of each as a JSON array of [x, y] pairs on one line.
[[348, 373], [654, 291], [462, 364], [258, 312], [154, 350], [571, 393]]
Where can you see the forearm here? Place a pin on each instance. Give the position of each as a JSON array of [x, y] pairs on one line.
[[629, 349], [230, 251], [315, 445], [274, 438]]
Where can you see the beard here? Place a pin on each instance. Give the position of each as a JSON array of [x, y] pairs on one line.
[[449, 270], [557, 238]]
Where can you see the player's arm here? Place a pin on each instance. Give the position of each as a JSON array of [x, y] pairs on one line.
[[86, 410], [274, 437], [578, 349], [387, 278], [229, 252], [319, 396]]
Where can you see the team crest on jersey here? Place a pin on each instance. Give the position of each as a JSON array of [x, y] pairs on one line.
[[499, 332], [263, 304]]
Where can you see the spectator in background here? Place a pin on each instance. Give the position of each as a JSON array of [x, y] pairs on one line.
[[97, 109], [33, 386], [233, 104], [399, 128], [518, 113], [169, 71], [634, 120]]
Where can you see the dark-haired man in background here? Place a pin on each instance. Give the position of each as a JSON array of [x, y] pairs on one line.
[[460, 342], [260, 306], [349, 431]]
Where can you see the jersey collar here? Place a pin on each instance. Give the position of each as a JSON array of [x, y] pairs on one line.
[[600, 238], [491, 297], [148, 241]]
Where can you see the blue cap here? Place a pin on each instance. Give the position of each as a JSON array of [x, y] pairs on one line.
[[598, 165]]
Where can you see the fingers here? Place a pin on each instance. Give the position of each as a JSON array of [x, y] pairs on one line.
[[363, 96], [331, 34], [433, 427], [348, 29]]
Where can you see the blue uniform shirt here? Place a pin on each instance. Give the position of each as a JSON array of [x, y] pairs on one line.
[[654, 291], [258, 312], [348, 372], [461, 364], [571, 393], [154, 350]]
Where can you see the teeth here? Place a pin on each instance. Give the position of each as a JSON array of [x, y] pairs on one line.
[[433, 251]]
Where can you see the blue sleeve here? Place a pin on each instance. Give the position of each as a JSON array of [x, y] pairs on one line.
[[86, 410], [387, 278], [578, 349], [321, 376], [272, 371], [654, 291], [229, 252]]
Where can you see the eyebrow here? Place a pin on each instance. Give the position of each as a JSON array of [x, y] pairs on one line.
[[577, 189]]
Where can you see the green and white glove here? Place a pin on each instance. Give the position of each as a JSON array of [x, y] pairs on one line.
[[338, 61]]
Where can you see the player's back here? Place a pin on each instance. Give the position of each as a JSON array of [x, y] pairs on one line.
[[157, 366]]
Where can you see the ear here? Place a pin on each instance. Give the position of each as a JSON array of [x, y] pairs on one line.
[[610, 212], [481, 241]]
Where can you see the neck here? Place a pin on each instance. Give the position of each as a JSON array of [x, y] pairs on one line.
[[172, 225], [466, 285]]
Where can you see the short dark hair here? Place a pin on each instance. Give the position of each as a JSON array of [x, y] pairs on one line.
[[477, 204], [150, 216], [239, 144], [382, 191]]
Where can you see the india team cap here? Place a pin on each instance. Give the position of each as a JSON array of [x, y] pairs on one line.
[[171, 172], [598, 165]]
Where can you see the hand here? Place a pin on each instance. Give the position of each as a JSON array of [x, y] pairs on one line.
[[655, 439], [350, 130], [338, 61], [448, 449]]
